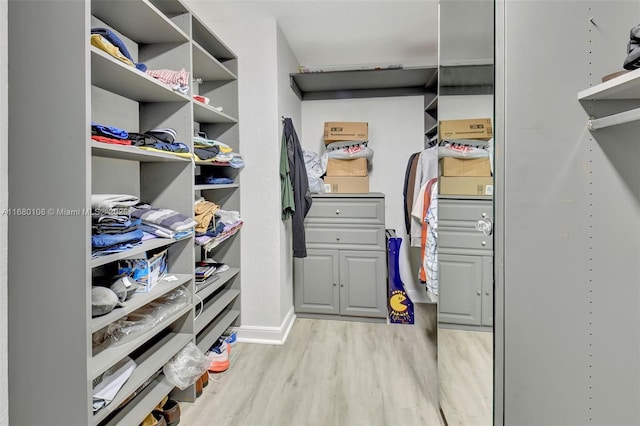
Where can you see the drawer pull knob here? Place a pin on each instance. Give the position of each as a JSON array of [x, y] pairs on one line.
[[337, 238], [479, 292], [486, 292], [484, 243], [335, 284], [341, 285], [484, 215], [338, 211]]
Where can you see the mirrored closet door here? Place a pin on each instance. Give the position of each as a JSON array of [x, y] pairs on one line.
[[465, 215]]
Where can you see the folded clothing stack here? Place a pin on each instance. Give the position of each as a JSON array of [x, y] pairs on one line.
[[165, 223], [160, 140], [226, 223], [107, 40], [109, 134], [113, 230]]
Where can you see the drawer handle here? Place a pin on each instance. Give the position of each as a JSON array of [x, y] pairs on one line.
[[484, 215], [335, 284], [484, 243], [338, 211], [479, 292], [341, 284], [486, 292], [338, 238]]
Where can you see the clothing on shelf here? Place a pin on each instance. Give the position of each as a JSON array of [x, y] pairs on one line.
[[112, 141], [112, 38], [111, 381], [105, 45], [204, 214], [218, 180], [202, 99], [165, 219], [177, 80], [632, 61], [109, 203], [108, 131], [297, 189]]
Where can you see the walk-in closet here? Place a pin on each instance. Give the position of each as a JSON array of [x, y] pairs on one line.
[[319, 213]]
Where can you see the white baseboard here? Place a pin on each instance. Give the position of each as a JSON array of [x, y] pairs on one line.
[[267, 335]]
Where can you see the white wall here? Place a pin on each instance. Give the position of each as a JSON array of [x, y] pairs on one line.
[[396, 130], [459, 107], [4, 174], [264, 62], [288, 106]]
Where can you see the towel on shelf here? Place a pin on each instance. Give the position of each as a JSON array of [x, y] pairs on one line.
[[110, 202], [165, 218]]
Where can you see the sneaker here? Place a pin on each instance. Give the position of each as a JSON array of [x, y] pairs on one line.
[[219, 357], [231, 339]]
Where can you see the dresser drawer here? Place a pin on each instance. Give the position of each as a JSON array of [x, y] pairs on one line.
[[464, 210], [336, 210], [464, 238], [362, 237]]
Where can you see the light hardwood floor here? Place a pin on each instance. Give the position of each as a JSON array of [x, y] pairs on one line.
[[465, 370], [329, 373]]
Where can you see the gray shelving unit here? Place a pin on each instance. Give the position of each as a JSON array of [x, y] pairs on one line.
[[55, 167]]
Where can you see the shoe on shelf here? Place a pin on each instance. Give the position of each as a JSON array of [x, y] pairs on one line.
[[170, 411], [219, 357], [199, 387], [154, 419], [230, 338]]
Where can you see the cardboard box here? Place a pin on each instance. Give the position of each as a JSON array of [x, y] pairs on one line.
[[461, 167], [345, 131], [147, 269], [354, 167], [475, 128], [347, 185], [459, 185]]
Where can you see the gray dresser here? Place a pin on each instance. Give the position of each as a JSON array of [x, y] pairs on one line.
[[345, 272], [465, 258]]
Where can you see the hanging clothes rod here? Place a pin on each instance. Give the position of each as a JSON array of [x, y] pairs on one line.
[[614, 119]]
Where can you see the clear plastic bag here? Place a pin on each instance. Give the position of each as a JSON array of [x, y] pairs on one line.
[[186, 366]]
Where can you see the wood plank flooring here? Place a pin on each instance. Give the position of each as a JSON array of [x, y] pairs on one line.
[[465, 370], [329, 373]]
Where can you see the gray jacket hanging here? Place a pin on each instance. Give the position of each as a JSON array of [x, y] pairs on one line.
[[301, 194]]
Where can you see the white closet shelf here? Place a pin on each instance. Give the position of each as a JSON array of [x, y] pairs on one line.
[[139, 20], [207, 67], [138, 300], [625, 86], [223, 278], [210, 334], [204, 113], [147, 364], [145, 246], [123, 152], [111, 355], [209, 41], [117, 77], [214, 307], [140, 406], [209, 163], [221, 186]]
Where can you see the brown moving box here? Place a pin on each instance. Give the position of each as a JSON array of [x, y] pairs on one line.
[[475, 128], [459, 185], [347, 185], [461, 167], [354, 167], [345, 131]]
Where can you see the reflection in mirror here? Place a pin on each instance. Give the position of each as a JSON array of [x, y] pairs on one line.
[[465, 242]]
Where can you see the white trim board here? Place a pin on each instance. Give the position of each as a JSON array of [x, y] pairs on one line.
[[267, 335]]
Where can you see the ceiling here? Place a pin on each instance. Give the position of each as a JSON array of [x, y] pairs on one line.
[[344, 32]]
